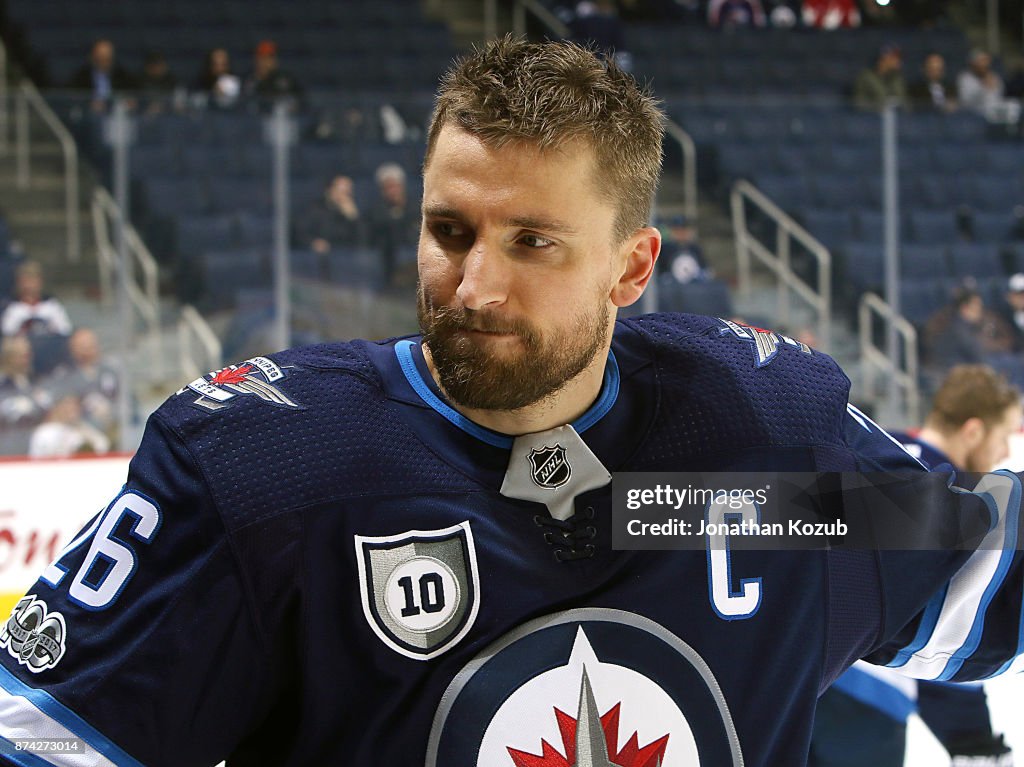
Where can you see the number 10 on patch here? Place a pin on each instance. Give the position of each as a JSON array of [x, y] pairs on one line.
[[420, 589]]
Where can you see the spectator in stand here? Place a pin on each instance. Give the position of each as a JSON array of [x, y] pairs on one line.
[[830, 14], [933, 92], [1012, 310], [981, 89], [102, 76], [395, 225], [596, 23], [333, 221], [965, 332], [90, 378], [23, 402], [681, 254], [32, 312], [157, 84], [268, 82], [216, 84], [882, 83], [65, 433], [730, 14]]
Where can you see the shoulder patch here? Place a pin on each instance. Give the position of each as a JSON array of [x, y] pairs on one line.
[[258, 377], [766, 343], [33, 635]]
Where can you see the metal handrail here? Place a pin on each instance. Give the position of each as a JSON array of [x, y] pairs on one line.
[[875, 360], [28, 96], [546, 17], [191, 325], [4, 107], [819, 297], [143, 294], [676, 132]]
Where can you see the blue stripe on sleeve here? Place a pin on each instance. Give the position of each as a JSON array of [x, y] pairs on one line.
[[58, 712], [973, 640]]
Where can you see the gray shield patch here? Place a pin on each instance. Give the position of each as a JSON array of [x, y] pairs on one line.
[[420, 589]]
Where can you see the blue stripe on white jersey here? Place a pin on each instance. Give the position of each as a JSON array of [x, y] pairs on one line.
[[26, 712], [957, 630]]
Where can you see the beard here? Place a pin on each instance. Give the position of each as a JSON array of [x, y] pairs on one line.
[[474, 376]]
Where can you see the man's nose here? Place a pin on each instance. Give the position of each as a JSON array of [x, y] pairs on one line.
[[484, 279]]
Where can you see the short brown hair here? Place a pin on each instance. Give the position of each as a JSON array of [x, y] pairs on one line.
[[550, 94], [972, 391]]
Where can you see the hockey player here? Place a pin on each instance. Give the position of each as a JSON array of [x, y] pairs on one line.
[[399, 552], [862, 718]]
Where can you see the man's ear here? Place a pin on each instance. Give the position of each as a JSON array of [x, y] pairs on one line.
[[972, 432], [644, 246]]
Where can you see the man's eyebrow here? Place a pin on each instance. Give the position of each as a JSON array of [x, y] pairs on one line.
[[440, 211], [521, 222], [541, 224]]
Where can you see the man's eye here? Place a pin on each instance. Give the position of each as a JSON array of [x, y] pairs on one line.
[[535, 241], [449, 230]]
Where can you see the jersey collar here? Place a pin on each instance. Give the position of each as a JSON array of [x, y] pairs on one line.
[[414, 367]]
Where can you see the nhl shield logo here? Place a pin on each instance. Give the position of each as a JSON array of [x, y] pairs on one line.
[[420, 589], [551, 468]]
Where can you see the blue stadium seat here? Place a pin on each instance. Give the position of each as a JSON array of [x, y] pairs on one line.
[[203, 159], [790, 193], [933, 227], [159, 160], [920, 128], [839, 191], [855, 158], [920, 299], [742, 160], [229, 194], [225, 273], [200, 234], [975, 259], [992, 227], [355, 267], [955, 157], [798, 157], [172, 196], [864, 266], [923, 262], [1000, 158], [709, 297], [255, 231], [833, 227], [306, 263], [964, 126], [871, 227], [997, 191]]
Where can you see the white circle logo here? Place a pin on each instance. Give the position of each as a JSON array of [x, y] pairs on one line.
[[422, 594]]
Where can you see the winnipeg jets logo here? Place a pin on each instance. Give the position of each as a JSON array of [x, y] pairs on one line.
[[256, 377], [766, 342], [585, 688], [550, 466], [33, 635]]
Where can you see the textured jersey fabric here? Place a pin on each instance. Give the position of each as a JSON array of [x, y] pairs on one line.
[[312, 563]]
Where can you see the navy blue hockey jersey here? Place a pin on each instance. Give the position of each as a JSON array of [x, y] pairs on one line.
[[317, 561]]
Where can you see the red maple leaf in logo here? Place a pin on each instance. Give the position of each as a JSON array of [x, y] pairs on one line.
[[231, 375], [631, 755]]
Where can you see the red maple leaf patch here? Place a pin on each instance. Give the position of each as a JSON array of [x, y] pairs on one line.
[[231, 375]]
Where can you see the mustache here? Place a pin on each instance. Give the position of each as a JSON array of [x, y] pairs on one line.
[[452, 319]]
